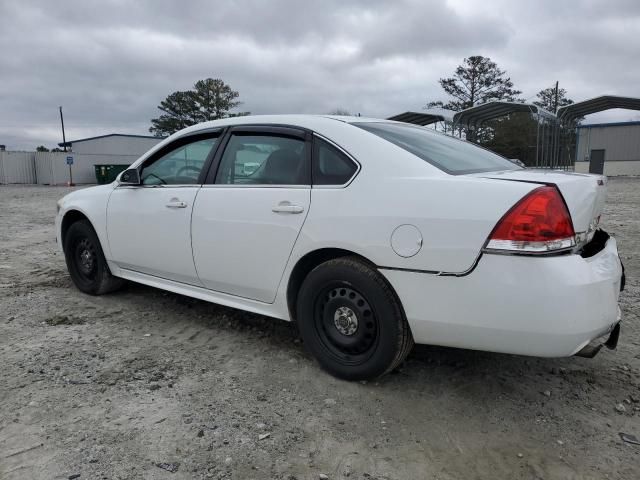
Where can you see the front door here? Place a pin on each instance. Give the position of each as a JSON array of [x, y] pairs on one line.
[[246, 220], [596, 162], [149, 226]]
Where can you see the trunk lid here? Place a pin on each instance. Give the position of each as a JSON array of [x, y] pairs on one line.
[[584, 193]]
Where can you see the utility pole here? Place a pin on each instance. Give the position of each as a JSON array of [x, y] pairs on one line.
[[64, 140], [556, 127], [64, 145]]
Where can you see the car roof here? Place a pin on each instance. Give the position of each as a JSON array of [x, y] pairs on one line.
[[311, 122], [359, 143]]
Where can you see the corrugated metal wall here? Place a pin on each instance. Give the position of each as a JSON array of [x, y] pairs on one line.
[[613, 169], [17, 167], [116, 145], [52, 168], [621, 142]]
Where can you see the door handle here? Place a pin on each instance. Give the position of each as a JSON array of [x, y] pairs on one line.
[[286, 207], [176, 204]]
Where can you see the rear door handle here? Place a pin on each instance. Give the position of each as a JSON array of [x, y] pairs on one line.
[[176, 204], [286, 207]]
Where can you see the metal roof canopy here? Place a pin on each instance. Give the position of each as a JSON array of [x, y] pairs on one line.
[[478, 114], [598, 104], [547, 133], [428, 117]]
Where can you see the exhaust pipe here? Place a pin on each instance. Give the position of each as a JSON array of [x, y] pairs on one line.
[[590, 351]]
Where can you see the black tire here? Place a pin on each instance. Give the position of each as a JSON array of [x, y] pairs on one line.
[[351, 320], [85, 260]]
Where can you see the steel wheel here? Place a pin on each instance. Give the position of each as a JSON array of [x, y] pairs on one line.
[[346, 323], [86, 259], [351, 320]]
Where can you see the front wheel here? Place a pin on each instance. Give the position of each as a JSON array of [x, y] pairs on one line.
[[351, 320], [85, 260]]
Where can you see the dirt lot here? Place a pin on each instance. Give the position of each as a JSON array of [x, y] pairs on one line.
[[148, 384]]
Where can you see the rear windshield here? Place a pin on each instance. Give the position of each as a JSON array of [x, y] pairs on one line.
[[450, 154]]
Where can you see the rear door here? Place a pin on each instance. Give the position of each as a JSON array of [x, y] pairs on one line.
[[248, 215]]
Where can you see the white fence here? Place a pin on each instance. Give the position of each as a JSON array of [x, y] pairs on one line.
[[50, 168], [17, 167]]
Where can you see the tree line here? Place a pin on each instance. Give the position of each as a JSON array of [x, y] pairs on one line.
[[479, 80], [475, 81], [209, 99]]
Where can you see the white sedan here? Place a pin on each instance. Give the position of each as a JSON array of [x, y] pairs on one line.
[[370, 234]]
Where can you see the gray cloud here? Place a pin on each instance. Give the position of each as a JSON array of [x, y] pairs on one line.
[[110, 63]]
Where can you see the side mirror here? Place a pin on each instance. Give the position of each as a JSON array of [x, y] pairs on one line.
[[129, 177]]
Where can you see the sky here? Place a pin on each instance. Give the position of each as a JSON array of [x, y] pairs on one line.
[[109, 63]]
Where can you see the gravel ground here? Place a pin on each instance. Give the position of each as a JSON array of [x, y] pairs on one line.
[[149, 384]]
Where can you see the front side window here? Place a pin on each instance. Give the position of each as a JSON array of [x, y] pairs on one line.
[[450, 154], [251, 159], [181, 166], [330, 165]]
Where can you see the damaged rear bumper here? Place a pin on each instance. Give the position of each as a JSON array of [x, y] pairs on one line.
[[590, 351], [549, 306]]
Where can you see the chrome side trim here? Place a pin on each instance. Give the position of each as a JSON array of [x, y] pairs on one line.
[[436, 272]]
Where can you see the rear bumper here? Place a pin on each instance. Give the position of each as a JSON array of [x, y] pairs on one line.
[[590, 351], [541, 306]]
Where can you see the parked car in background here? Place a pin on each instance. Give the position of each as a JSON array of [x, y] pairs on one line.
[[370, 234]]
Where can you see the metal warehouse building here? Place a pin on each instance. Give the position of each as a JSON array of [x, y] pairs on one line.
[[609, 148], [111, 149], [125, 148]]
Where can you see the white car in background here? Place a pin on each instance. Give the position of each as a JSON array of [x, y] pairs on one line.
[[370, 234]]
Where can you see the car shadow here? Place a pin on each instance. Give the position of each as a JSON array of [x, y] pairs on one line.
[[283, 335]]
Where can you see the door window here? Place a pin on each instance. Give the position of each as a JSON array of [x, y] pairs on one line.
[[330, 165], [264, 160], [180, 166]]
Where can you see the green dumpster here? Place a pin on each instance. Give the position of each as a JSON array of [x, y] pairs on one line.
[[108, 173]]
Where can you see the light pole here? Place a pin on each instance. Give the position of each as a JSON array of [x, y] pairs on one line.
[[64, 140]]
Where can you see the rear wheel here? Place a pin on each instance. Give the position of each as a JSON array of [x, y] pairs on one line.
[[351, 320], [85, 260]]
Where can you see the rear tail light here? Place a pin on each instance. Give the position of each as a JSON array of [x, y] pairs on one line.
[[539, 223]]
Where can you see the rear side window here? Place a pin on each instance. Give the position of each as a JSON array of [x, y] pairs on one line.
[[264, 159], [450, 154], [330, 165]]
